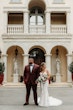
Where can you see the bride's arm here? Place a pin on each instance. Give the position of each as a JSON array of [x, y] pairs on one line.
[[48, 74]]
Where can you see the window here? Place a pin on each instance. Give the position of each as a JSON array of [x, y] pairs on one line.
[[58, 1], [36, 20], [36, 16], [15, 18], [58, 18]]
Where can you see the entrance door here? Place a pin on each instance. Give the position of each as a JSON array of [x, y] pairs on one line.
[[38, 55]]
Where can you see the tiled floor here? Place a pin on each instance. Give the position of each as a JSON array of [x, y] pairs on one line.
[[12, 98]]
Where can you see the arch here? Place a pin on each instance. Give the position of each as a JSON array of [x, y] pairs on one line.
[[59, 46], [39, 3], [14, 63], [38, 53], [37, 16], [37, 46], [15, 46], [59, 62]]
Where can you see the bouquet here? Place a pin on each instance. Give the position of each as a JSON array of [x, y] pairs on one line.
[[42, 78]]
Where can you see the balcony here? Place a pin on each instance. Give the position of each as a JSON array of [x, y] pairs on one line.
[[37, 29], [55, 29], [59, 29], [14, 29]]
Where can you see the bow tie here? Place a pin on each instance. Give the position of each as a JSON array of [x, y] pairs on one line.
[[31, 64]]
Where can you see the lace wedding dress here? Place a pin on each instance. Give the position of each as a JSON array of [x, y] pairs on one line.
[[44, 99]]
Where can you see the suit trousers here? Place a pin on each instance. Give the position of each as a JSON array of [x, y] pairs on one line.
[[28, 89]]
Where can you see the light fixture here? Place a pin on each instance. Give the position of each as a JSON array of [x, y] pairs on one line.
[[57, 52], [0, 53], [16, 52], [72, 55]]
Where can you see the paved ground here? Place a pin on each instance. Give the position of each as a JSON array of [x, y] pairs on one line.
[[12, 98]]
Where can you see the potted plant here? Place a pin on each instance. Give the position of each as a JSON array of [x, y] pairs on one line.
[[71, 69], [2, 68]]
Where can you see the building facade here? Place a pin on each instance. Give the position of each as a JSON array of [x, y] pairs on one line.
[[39, 27]]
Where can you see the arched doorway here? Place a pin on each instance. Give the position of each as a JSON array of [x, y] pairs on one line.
[[14, 54], [59, 52], [36, 16], [39, 55]]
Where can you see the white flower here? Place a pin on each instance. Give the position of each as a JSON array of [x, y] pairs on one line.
[[42, 78]]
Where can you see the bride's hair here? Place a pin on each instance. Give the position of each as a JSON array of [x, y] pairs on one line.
[[42, 64]]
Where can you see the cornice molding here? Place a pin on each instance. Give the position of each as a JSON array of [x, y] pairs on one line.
[[48, 9], [13, 8], [38, 36], [59, 9]]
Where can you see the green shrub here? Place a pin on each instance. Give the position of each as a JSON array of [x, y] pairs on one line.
[[71, 67], [2, 67]]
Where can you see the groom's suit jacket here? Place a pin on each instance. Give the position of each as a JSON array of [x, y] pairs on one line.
[[30, 77]]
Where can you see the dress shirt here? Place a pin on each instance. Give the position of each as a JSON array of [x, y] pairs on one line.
[[31, 67]]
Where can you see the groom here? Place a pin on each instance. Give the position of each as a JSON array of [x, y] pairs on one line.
[[31, 73]]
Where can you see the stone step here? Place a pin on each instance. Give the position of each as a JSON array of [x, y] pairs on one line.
[[50, 85], [61, 85]]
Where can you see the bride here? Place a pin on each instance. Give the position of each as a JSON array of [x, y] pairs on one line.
[[44, 99]]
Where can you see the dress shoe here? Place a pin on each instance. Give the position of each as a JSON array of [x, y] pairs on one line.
[[26, 104], [36, 104]]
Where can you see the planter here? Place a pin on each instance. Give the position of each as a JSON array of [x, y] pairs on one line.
[[1, 78]]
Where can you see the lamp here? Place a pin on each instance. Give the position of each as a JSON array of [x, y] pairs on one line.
[[16, 52], [0, 53], [72, 55], [57, 52]]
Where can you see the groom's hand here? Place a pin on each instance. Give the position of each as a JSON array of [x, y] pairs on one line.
[[25, 81]]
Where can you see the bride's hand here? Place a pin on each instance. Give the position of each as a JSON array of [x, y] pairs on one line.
[[36, 82]]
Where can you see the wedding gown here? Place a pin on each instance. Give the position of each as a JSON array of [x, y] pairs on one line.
[[44, 99]]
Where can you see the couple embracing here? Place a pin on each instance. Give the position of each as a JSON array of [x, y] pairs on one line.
[[33, 74]]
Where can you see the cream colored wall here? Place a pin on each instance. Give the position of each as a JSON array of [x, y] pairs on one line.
[[71, 23], [4, 4]]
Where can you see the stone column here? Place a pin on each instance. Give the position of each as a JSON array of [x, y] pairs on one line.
[[5, 72], [26, 3], [48, 22], [25, 60], [69, 75], [48, 61], [68, 22], [26, 21], [5, 21]]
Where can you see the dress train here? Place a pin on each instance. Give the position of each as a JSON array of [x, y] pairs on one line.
[[45, 100]]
